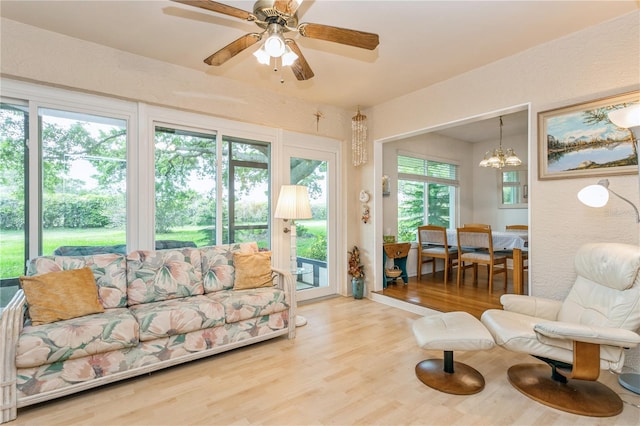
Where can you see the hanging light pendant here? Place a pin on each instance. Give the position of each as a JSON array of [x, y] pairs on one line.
[[500, 158], [359, 138]]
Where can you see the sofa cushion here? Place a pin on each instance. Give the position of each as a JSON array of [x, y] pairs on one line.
[[163, 274], [217, 264], [109, 272], [76, 338], [245, 304], [177, 316], [253, 270], [61, 295]]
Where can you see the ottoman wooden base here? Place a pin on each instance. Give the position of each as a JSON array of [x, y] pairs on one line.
[[464, 380], [451, 331]]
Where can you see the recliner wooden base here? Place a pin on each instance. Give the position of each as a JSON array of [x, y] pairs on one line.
[[584, 397]]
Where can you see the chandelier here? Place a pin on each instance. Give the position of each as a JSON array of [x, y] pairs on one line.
[[359, 138], [500, 158]]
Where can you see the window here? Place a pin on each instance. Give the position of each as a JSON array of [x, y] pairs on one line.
[[14, 131], [513, 188], [188, 205], [246, 193], [84, 175], [427, 194], [185, 185]]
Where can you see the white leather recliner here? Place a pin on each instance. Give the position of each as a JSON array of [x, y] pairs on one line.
[[577, 337]]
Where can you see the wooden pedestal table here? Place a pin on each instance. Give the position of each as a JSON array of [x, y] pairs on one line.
[[398, 252]]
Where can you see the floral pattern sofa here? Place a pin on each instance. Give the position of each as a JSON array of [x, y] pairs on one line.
[[161, 308]]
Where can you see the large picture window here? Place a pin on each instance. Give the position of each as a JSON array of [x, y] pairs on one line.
[[84, 175], [14, 133], [427, 194]]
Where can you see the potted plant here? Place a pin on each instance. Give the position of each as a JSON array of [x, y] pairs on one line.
[[356, 270]]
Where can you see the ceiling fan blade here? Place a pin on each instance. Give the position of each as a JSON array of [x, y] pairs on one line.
[[288, 7], [232, 49], [219, 8], [340, 35], [300, 67]]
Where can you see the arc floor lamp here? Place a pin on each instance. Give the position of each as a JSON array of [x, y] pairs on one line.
[[598, 196]]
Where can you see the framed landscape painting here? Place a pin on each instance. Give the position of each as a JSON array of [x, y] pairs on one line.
[[580, 141]]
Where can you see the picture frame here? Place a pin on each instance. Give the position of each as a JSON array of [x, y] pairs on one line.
[[579, 140]]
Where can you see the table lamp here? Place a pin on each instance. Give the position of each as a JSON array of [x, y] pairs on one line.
[[293, 203], [598, 196]]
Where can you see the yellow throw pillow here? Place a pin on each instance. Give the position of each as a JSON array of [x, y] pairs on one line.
[[253, 270], [61, 295]]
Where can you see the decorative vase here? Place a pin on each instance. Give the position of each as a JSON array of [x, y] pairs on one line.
[[357, 285]]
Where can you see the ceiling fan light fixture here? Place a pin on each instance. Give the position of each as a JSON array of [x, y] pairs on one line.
[[262, 56], [275, 45], [289, 57], [276, 18]]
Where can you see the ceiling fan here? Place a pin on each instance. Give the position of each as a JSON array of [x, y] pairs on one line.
[[276, 18]]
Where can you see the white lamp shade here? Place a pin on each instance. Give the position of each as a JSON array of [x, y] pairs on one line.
[[293, 203], [627, 118], [289, 57], [594, 195], [262, 56]]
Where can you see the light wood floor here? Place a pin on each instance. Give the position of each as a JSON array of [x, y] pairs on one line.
[[431, 292], [352, 364]]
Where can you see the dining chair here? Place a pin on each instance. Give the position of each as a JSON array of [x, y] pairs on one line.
[[517, 227], [525, 251], [475, 246], [432, 245], [476, 225]]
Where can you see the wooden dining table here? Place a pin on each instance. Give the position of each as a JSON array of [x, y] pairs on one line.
[[514, 240]]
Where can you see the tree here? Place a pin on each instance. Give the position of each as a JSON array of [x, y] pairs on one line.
[[601, 115]]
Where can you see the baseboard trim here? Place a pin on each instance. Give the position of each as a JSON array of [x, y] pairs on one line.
[[406, 306]]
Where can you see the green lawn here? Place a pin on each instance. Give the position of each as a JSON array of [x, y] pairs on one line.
[[12, 242]]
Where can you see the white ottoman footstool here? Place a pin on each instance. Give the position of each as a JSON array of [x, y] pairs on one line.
[[451, 331]]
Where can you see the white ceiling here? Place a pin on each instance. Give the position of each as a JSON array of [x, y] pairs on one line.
[[482, 130], [421, 42]]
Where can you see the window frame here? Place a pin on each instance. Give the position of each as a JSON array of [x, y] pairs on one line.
[[427, 180], [140, 118]]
